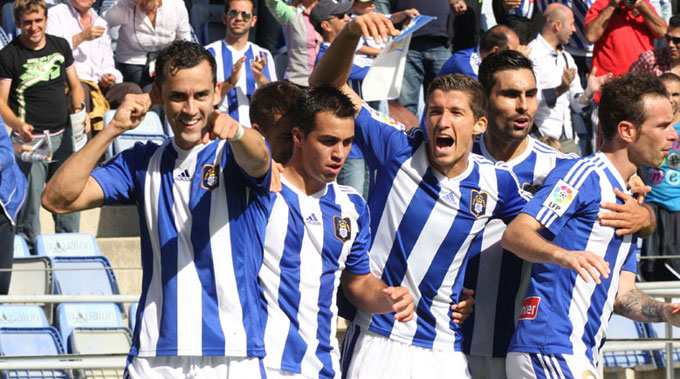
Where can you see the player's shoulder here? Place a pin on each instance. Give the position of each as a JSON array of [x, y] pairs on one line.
[[579, 172], [370, 113], [543, 150]]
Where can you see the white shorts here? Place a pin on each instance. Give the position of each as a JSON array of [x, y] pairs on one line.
[[369, 355], [486, 367], [274, 373], [195, 367], [529, 365]]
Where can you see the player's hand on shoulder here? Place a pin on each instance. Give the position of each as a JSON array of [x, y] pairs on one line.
[[131, 112], [402, 302], [219, 126], [374, 25], [462, 310], [628, 218], [586, 263]]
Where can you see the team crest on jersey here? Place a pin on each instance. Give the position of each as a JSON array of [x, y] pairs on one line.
[[530, 188], [210, 180], [343, 229], [478, 201], [560, 198]]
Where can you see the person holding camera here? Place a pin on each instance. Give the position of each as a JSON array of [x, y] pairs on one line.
[[146, 27], [613, 24]]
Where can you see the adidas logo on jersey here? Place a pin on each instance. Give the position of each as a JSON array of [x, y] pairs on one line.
[[312, 220], [450, 198], [183, 177]]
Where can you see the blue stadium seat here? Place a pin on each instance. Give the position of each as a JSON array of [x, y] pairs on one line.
[[67, 244], [33, 276], [86, 315], [84, 276], [211, 31], [150, 125], [20, 247], [22, 316], [658, 330], [621, 327], [31, 342], [205, 13], [132, 315], [8, 21], [100, 341]]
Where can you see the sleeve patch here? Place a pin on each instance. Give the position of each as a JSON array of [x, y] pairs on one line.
[[560, 198]]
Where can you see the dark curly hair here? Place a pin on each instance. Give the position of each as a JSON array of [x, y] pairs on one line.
[[182, 54]]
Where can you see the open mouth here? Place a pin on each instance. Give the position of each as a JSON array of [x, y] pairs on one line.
[[521, 122], [444, 142]]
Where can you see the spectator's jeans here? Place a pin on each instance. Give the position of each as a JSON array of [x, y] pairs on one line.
[[355, 174], [136, 73], [38, 173], [423, 62], [6, 252]]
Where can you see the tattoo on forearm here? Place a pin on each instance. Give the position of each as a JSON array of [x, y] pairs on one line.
[[637, 306]]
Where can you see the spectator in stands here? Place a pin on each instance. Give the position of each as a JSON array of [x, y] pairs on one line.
[[665, 200], [621, 31], [199, 307], [559, 96], [665, 59], [428, 51], [87, 34], [12, 195], [146, 27], [467, 61], [302, 39], [522, 16], [564, 315], [35, 68], [242, 66], [270, 114]]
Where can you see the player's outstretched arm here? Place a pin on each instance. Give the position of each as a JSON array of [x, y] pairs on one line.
[[334, 67], [629, 217], [250, 150], [370, 294], [72, 188], [634, 304], [523, 239]]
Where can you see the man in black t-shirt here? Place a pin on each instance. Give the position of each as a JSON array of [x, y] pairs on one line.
[[34, 70]]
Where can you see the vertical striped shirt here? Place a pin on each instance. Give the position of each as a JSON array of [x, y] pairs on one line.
[[423, 227], [202, 221], [236, 103], [310, 240], [498, 276], [561, 313]]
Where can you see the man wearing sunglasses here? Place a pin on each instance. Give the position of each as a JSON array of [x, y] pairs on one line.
[[242, 66], [665, 59]]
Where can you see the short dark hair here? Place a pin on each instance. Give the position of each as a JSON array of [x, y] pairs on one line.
[[227, 5], [182, 54], [669, 77], [674, 21], [314, 100], [275, 98], [496, 36], [501, 61], [623, 100], [465, 84]]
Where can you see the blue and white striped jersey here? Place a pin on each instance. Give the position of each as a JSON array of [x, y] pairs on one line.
[[202, 221], [236, 102], [561, 313], [423, 225], [310, 240], [498, 276], [525, 9]]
